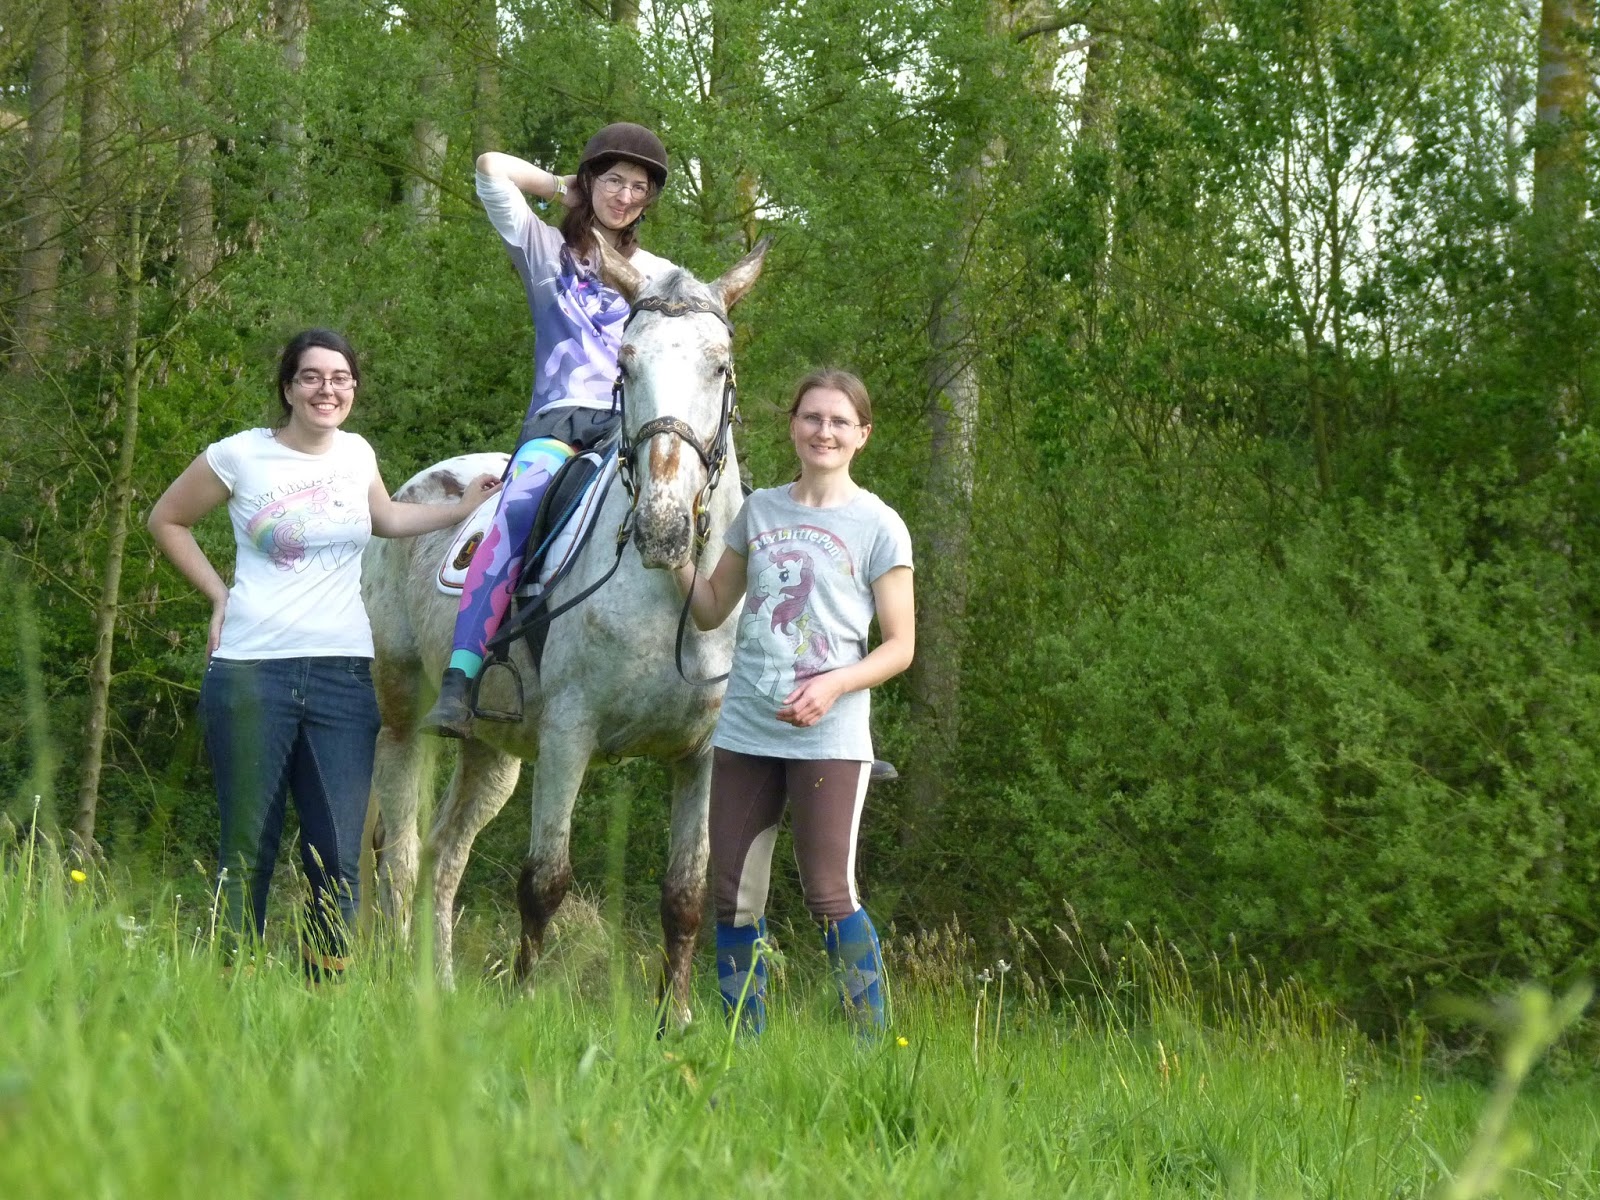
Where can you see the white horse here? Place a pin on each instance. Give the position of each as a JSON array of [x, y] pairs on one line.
[[608, 686]]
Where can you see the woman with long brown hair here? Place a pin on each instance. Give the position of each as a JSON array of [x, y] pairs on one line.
[[577, 322]]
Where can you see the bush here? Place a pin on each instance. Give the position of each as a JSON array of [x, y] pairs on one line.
[[1369, 756]]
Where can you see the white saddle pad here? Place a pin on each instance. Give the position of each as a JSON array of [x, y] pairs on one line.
[[563, 545], [452, 575]]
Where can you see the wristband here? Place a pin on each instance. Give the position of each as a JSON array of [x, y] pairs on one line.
[[561, 187]]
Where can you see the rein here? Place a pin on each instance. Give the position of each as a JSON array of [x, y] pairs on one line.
[[714, 457]]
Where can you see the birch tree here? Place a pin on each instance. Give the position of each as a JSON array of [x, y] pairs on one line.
[[44, 196]]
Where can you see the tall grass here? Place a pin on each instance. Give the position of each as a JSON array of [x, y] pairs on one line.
[[132, 1064]]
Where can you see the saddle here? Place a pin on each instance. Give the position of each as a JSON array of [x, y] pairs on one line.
[[560, 527]]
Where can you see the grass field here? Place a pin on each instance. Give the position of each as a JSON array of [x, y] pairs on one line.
[[132, 1065]]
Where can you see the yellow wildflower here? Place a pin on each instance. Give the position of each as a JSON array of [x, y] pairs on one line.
[[78, 876]]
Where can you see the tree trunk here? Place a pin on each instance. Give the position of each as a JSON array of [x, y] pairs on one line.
[[1560, 201], [624, 65], [1558, 160], [429, 145], [197, 240], [292, 22], [486, 79], [429, 140], [945, 513], [730, 187], [96, 143], [107, 607], [943, 569], [40, 267]]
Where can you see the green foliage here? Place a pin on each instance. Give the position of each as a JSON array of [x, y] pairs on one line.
[[1367, 753]]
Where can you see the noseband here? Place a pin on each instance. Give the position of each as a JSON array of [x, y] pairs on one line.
[[713, 456]]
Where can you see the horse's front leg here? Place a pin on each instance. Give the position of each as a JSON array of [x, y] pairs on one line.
[[564, 754], [683, 887], [483, 780], [396, 784]]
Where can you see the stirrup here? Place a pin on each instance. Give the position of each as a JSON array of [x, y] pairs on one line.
[[494, 714]]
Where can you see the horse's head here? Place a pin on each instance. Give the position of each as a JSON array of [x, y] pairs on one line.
[[676, 368]]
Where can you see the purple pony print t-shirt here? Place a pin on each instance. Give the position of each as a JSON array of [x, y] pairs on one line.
[[300, 523], [807, 609], [577, 319]]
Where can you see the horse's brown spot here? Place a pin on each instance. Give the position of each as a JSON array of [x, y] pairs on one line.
[[448, 483], [664, 455]]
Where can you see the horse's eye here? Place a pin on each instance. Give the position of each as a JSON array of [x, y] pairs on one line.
[[720, 370]]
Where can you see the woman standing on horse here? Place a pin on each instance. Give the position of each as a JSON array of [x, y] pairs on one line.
[[577, 322], [814, 562], [287, 699]]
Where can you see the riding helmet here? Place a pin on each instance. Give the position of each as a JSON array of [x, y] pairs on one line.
[[632, 142]]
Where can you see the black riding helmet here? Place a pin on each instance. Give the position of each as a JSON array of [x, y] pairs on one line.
[[632, 142]]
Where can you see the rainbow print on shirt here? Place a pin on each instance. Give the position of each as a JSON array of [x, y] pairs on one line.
[[308, 526]]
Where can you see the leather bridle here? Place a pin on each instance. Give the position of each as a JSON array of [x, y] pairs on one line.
[[713, 455]]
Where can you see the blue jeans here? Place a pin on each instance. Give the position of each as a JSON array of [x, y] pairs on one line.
[[306, 726]]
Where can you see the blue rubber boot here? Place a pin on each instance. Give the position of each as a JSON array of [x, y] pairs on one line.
[[742, 974], [858, 966]]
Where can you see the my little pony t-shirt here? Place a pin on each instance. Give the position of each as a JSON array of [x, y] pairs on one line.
[[300, 523], [807, 608]]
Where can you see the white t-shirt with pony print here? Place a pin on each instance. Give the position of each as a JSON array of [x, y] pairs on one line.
[[300, 523]]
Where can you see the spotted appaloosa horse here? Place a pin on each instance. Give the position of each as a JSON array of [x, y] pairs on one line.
[[608, 686]]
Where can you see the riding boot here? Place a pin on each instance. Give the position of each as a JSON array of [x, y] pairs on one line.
[[451, 715], [858, 966], [742, 974]]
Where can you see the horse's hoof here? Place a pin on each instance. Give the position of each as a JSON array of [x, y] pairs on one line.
[[451, 715]]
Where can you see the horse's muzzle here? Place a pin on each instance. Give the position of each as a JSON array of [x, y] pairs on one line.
[[662, 533]]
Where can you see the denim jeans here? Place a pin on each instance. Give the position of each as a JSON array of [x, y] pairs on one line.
[[306, 726]]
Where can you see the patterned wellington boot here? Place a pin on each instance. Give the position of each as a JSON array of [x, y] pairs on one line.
[[858, 966], [742, 974]]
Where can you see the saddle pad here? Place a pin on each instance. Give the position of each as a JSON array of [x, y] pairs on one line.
[[452, 575], [560, 547]]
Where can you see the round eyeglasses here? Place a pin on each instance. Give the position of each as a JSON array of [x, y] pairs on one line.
[[613, 184]]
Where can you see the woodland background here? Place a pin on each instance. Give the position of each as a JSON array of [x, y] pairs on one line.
[[1234, 363]]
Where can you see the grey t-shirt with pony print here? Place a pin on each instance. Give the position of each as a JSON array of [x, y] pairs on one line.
[[807, 607]]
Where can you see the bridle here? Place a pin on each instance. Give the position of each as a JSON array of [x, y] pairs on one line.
[[713, 456]]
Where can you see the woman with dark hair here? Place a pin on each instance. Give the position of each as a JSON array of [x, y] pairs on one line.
[[577, 323], [814, 562], [287, 699]]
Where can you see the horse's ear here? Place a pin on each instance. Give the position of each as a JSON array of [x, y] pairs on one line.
[[618, 273], [741, 277]]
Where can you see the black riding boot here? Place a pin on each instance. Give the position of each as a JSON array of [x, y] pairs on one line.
[[451, 715]]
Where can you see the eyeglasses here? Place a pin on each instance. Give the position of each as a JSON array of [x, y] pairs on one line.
[[339, 381], [816, 423], [612, 184]]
